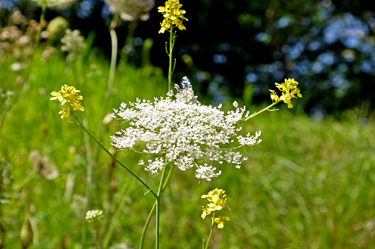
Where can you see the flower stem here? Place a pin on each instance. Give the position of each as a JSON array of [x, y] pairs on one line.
[[153, 209], [89, 170], [158, 205], [263, 110], [114, 158], [37, 39], [112, 70], [212, 228], [171, 43], [96, 237], [146, 226]]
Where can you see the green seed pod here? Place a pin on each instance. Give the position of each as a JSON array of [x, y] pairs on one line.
[[56, 28], [26, 234]]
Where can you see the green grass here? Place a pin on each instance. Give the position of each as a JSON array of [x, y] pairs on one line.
[[309, 184]]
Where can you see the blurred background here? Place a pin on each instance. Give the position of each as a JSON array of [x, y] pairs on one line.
[[309, 184], [231, 48]]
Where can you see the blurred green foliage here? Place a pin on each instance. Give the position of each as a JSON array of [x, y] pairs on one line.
[[326, 45]]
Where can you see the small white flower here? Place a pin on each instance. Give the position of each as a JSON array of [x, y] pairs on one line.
[[93, 215], [155, 166], [206, 172], [235, 104], [73, 43], [16, 66]]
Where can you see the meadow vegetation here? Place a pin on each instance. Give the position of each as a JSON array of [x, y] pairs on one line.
[[307, 185]]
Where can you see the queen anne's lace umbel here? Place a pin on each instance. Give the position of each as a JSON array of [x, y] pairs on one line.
[[181, 130]]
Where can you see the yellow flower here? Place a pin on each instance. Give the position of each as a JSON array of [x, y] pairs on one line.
[[77, 106], [172, 15], [65, 112], [68, 94], [206, 211], [289, 89], [220, 221], [218, 200], [274, 96], [165, 25]]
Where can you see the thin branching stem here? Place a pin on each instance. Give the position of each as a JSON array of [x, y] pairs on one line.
[[37, 39], [263, 110], [114, 158]]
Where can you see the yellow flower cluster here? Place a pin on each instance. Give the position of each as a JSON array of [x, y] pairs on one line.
[[173, 15], [218, 201], [289, 89], [68, 94]]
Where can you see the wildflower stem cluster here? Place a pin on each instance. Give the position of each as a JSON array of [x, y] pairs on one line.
[[173, 17], [177, 130]]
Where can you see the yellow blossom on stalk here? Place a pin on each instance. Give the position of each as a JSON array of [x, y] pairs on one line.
[[217, 199], [172, 15], [206, 211], [220, 221], [289, 89], [274, 96], [65, 112], [68, 94]]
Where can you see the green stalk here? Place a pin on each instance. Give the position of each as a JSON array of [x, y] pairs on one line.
[[153, 209], [114, 158], [212, 228], [41, 20], [96, 236], [146, 226], [112, 70], [89, 170], [263, 110], [158, 205], [170, 58]]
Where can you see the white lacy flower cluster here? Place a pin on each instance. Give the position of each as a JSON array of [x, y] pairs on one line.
[[131, 10], [179, 129], [73, 43]]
